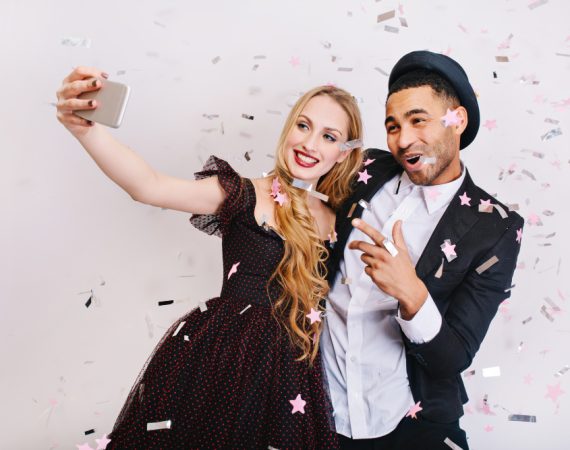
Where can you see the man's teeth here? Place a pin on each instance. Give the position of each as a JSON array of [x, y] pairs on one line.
[[307, 159]]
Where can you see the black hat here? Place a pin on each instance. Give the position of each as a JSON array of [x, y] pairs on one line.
[[452, 72]]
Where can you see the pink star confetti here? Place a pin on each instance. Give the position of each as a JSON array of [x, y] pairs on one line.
[[485, 206], [85, 446], [534, 219], [102, 443], [449, 250], [490, 124], [414, 410], [280, 198], [298, 404], [451, 118], [489, 428], [554, 392], [363, 176], [314, 316], [233, 270], [295, 61], [368, 162], [275, 185], [519, 235], [528, 379], [465, 200]]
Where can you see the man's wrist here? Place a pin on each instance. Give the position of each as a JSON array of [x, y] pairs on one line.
[[411, 303]]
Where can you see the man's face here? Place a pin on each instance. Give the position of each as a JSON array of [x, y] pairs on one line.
[[415, 129]]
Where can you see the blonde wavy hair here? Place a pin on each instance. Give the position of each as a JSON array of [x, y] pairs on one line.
[[301, 274]]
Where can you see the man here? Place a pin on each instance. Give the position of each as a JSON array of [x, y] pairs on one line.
[[430, 257]]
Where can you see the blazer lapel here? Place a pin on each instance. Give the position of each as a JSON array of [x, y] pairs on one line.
[[454, 224]]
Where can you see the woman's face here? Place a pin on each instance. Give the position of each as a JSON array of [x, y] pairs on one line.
[[312, 147]]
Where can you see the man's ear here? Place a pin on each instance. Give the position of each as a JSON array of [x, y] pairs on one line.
[[463, 120]]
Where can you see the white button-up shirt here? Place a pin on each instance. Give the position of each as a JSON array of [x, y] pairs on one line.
[[362, 346]]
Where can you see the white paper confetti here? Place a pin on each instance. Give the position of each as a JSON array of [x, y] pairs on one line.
[[153, 426], [388, 245], [178, 328], [76, 42], [245, 309], [489, 372], [451, 444]]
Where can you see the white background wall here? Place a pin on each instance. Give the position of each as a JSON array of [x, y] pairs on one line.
[[65, 229]]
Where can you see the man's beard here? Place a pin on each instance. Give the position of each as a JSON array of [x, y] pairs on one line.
[[443, 158]]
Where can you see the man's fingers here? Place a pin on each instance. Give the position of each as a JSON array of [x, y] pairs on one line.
[[370, 231], [398, 235]]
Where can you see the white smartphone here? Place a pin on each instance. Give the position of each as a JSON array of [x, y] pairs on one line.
[[111, 99]]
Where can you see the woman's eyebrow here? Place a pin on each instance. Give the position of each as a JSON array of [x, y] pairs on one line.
[[326, 128]]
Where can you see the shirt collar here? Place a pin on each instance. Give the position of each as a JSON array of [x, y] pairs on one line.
[[436, 196]]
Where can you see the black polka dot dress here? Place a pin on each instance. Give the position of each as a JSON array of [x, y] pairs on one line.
[[226, 376]]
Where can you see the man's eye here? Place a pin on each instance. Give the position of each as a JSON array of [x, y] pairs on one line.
[[418, 120], [391, 128]]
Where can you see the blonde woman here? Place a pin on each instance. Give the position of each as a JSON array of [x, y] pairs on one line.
[[246, 372]]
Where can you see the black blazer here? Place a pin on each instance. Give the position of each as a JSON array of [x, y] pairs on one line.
[[466, 299]]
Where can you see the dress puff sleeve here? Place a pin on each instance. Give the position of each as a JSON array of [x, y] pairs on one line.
[[234, 203]]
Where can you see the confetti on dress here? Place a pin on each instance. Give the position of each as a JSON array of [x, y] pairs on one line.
[[298, 404], [363, 176], [154, 426], [452, 445], [487, 265], [448, 250], [178, 328], [245, 309], [414, 409], [233, 269]]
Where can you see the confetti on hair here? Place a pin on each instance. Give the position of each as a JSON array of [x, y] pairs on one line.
[[349, 145]]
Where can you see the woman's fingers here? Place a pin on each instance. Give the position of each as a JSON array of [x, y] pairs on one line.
[[75, 104], [82, 72], [68, 119]]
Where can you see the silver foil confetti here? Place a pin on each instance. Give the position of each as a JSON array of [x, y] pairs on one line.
[[210, 116], [469, 373], [383, 72], [562, 371], [501, 211], [344, 69], [349, 145], [521, 418], [386, 16], [391, 29], [300, 184], [216, 60], [485, 209], [76, 42], [351, 210], [527, 320], [439, 272], [546, 314], [442, 246], [345, 280], [528, 174], [202, 305], [551, 134], [537, 3], [487, 264], [245, 309], [364, 204], [164, 425], [247, 116], [403, 22], [552, 121], [178, 328], [274, 112], [451, 444], [489, 372], [389, 245]]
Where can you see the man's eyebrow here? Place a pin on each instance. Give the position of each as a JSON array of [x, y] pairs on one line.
[[406, 114], [326, 128]]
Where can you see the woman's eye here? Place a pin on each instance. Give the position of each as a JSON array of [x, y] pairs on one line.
[[330, 138], [302, 126]]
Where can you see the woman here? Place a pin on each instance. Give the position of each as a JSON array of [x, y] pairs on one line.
[[246, 371]]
